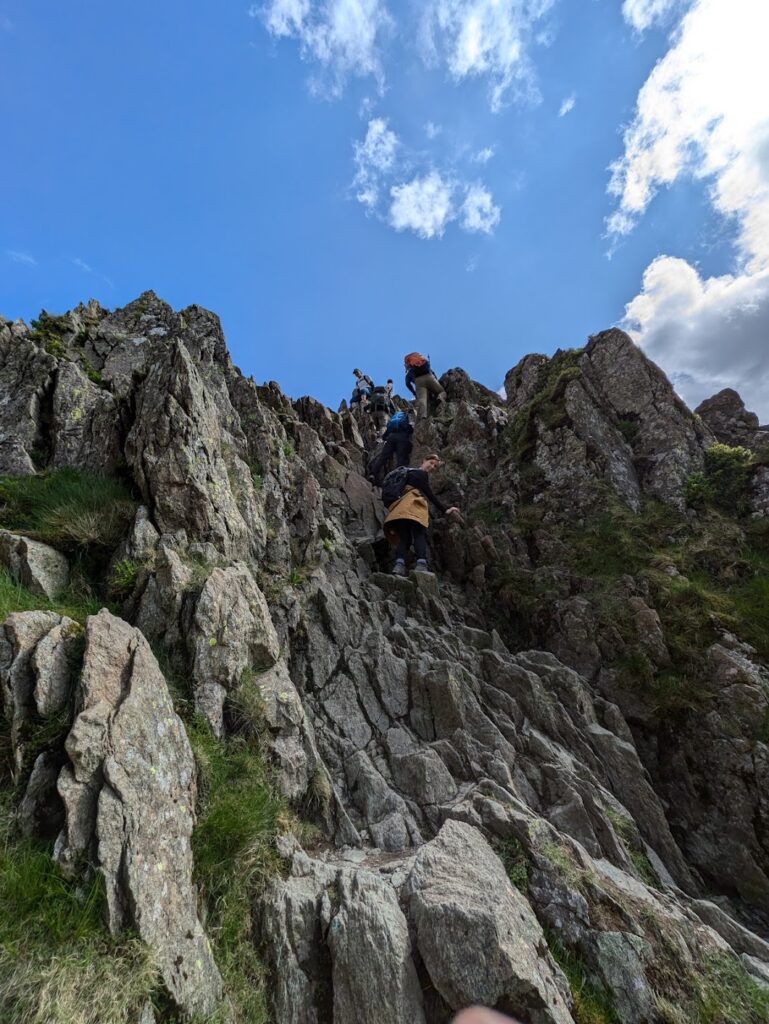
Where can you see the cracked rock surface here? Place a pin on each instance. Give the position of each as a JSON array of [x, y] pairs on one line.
[[481, 750]]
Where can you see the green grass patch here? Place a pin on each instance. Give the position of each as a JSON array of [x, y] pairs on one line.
[[592, 1003], [488, 512], [122, 579], [725, 481], [295, 578], [239, 816], [512, 854], [90, 370], [14, 598], [57, 963], [629, 429], [67, 508], [722, 581], [718, 991], [48, 331]]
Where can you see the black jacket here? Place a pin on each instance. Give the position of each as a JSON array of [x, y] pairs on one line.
[[418, 478], [414, 372]]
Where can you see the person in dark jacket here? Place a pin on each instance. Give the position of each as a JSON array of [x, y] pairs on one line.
[[408, 518], [381, 405], [422, 382], [397, 441]]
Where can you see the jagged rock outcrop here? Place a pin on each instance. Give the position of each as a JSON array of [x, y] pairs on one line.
[[37, 651], [445, 732], [731, 422], [344, 928], [129, 801], [458, 886], [608, 414], [26, 372], [232, 633]]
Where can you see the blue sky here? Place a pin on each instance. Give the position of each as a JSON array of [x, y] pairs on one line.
[[208, 151]]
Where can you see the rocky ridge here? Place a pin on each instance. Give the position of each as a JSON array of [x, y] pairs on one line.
[[546, 710]]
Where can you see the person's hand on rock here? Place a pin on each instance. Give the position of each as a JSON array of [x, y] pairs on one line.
[[478, 1015]]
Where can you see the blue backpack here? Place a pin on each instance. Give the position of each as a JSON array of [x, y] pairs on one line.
[[398, 421]]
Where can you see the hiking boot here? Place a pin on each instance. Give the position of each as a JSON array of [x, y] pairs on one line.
[[421, 566], [399, 569]]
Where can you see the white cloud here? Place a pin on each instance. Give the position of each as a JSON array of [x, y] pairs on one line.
[[400, 187], [475, 38], [21, 257], [707, 333], [283, 17], [478, 210], [472, 264], [484, 155], [432, 131], [567, 105], [374, 157], [88, 269], [702, 113], [642, 14], [344, 36], [423, 205]]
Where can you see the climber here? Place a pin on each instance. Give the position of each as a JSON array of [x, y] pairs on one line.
[[381, 404], [405, 493], [361, 392], [420, 380], [396, 441]]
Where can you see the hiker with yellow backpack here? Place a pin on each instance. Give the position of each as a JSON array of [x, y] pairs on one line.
[[407, 495], [422, 382]]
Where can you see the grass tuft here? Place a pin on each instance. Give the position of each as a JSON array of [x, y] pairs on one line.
[[592, 1003], [14, 598], [57, 964], [239, 816], [513, 856], [67, 508], [123, 577]]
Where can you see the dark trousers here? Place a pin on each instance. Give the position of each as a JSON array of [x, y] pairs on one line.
[[397, 445], [411, 535]]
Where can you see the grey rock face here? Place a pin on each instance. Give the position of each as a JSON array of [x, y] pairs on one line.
[[85, 425], [373, 975], [232, 631], [339, 947], [731, 423], [394, 713], [25, 381], [669, 442], [178, 450], [461, 900], [128, 793], [38, 567], [25, 693]]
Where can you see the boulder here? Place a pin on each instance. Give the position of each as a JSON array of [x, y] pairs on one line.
[[129, 798], [24, 693], [460, 900], [41, 569]]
